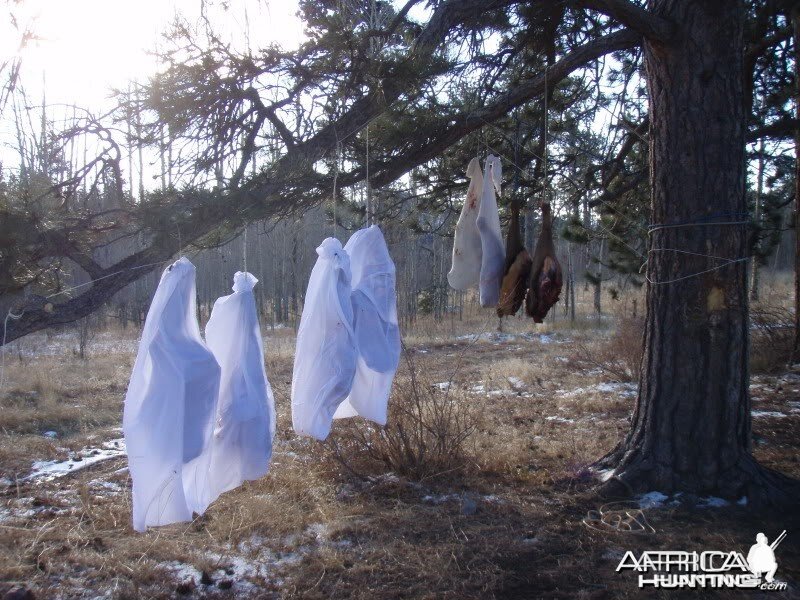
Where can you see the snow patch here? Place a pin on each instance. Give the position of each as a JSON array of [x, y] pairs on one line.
[[768, 413], [712, 502], [625, 389], [605, 474], [48, 470], [560, 419], [516, 382], [237, 567], [181, 571], [106, 488], [651, 500]]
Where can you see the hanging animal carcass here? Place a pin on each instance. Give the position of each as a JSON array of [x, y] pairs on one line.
[[546, 278], [517, 269]]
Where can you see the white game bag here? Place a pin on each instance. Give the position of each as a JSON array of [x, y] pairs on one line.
[[493, 248], [465, 270], [375, 325], [245, 425], [171, 401], [325, 355]]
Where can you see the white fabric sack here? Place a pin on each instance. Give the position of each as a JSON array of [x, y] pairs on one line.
[[325, 355], [465, 270], [241, 447], [375, 325], [171, 401], [493, 249]]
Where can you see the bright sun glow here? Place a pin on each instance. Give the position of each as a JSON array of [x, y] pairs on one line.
[[86, 47]]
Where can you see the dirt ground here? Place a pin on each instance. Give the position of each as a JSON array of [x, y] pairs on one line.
[[512, 513]]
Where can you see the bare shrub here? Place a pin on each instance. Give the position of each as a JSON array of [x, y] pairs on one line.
[[427, 432], [619, 355], [771, 338], [87, 331]]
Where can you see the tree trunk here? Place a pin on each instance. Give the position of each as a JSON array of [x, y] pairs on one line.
[[755, 278], [691, 426], [598, 282], [796, 30]]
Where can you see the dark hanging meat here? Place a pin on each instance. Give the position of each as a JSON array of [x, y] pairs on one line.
[[517, 269], [546, 279]]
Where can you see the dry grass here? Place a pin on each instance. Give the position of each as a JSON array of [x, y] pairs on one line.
[[619, 356], [481, 496], [771, 338], [427, 435]]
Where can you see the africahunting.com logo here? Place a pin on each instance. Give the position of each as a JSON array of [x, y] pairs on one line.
[[674, 569]]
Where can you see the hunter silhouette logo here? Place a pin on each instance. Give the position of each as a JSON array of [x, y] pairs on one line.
[[676, 569], [761, 558]]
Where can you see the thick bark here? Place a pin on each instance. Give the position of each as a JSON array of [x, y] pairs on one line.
[[755, 278], [691, 427], [796, 33]]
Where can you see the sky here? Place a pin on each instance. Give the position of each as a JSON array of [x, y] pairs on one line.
[[86, 47]]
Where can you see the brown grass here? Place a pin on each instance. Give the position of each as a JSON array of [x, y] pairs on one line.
[[428, 432], [771, 338], [620, 356], [482, 495]]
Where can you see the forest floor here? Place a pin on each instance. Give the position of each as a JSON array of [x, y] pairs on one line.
[[515, 517]]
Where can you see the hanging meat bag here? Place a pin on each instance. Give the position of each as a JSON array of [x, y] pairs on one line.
[[493, 251], [171, 401], [465, 270], [245, 425], [325, 355], [517, 269], [375, 325]]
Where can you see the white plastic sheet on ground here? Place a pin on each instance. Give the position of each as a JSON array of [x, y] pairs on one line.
[[465, 270], [325, 354], [375, 325], [241, 447], [171, 401], [493, 249]]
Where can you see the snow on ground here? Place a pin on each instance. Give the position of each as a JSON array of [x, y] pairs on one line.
[[516, 382], [67, 343], [605, 474], [498, 338], [48, 470], [651, 500], [657, 499], [768, 413], [560, 419], [623, 389]]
